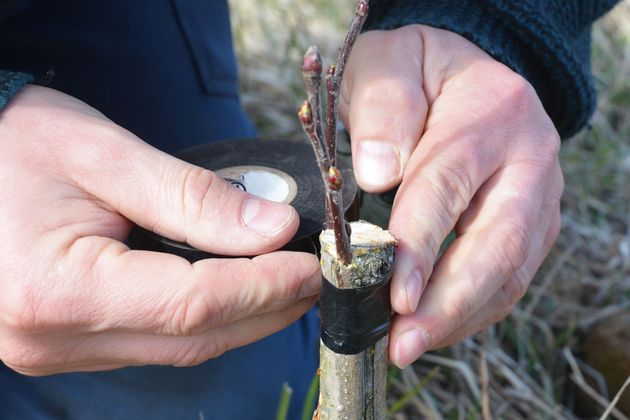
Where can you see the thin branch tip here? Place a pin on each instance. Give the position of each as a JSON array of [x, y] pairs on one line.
[[325, 146], [312, 61], [362, 8]]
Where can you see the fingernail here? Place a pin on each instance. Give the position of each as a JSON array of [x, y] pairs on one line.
[[265, 217], [413, 289], [410, 345], [378, 163]]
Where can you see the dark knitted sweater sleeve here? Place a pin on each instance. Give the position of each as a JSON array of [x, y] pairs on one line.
[[10, 83], [546, 41]]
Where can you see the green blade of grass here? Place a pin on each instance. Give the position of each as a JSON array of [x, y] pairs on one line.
[[392, 373], [285, 400], [407, 396], [311, 397]]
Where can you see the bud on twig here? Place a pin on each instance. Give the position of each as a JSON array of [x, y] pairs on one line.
[[312, 75], [362, 9], [312, 62], [304, 114], [334, 178]]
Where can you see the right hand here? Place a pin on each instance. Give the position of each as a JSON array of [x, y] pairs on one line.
[[74, 297]]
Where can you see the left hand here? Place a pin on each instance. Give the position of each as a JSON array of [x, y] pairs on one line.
[[473, 150]]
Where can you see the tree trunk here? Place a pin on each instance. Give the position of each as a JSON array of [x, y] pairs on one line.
[[355, 320]]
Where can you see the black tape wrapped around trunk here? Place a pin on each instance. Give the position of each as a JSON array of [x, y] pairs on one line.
[[354, 319]]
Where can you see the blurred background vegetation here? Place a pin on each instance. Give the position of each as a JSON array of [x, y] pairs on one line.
[[564, 352]]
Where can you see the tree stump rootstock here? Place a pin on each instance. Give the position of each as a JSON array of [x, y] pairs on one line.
[[355, 320]]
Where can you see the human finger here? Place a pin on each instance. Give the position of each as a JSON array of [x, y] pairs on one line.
[[383, 104], [503, 242], [471, 132], [440, 182], [500, 305], [105, 287], [96, 352], [153, 189]]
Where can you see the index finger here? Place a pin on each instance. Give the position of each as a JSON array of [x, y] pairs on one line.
[[383, 104], [103, 286], [482, 115]]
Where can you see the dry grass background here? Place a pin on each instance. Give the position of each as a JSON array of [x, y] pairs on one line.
[[533, 364]]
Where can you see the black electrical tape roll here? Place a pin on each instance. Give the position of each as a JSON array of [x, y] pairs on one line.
[[295, 160], [354, 319]]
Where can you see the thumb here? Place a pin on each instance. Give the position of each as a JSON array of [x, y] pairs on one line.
[[384, 105], [178, 200]]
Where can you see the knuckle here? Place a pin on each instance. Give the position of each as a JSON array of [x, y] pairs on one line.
[[193, 354], [288, 287], [513, 243], [45, 299], [293, 313], [559, 190], [554, 230], [201, 194], [508, 91], [24, 355], [515, 90], [20, 309], [416, 234], [15, 357], [452, 185], [513, 290], [499, 315], [551, 143], [196, 311], [546, 148], [458, 311], [553, 210], [521, 90], [455, 338], [25, 361], [554, 198], [218, 345], [426, 260]]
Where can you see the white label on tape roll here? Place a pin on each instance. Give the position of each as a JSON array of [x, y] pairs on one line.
[[268, 183]]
